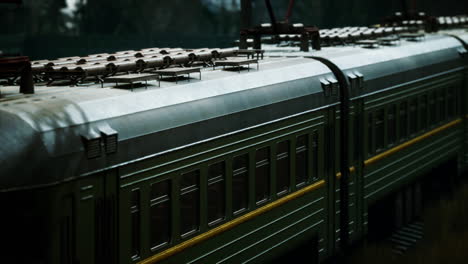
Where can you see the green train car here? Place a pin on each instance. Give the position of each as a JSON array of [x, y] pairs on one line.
[[234, 168]]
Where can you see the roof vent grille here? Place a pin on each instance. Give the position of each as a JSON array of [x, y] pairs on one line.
[[326, 86], [110, 138], [92, 144]]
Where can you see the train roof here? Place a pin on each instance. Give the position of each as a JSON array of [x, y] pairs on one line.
[[43, 136]]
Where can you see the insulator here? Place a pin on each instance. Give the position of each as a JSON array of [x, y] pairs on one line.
[[111, 68], [96, 69], [125, 52], [74, 58], [179, 58], [99, 55], [126, 66]]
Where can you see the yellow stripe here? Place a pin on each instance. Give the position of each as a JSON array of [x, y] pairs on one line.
[[227, 226], [351, 170], [405, 145], [410, 142]]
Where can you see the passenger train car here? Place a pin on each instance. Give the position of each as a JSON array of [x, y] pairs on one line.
[[238, 167]]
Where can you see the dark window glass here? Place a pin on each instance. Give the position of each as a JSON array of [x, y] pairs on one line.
[[432, 109], [216, 192], [189, 179], [379, 129], [451, 102], [262, 174], [216, 171], [135, 200], [160, 213], [240, 181], [189, 202], [403, 120], [160, 190], [357, 139], [392, 125], [135, 222], [413, 116], [282, 167], [456, 100], [315, 154], [160, 224], [423, 112], [302, 150], [370, 145], [441, 102], [66, 240]]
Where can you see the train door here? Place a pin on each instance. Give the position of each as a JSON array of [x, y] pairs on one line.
[[330, 150], [106, 219], [462, 98], [86, 221], [356, 159], [66, 247]]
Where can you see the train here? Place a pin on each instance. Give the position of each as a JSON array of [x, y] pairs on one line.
[[240, 165]]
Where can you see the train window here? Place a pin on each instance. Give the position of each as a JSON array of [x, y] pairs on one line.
[[216, 192], [403, 120], [282, 167], [160, 190], [135, 223], [370, 143], [413, 116], [315, 154], [189, 179], [302, 157], [451, 102], [392, 125], [160, 213], [189, 202], [240, 183], [67, 236], [357, 139], [441, 103], [432, 108], [379, 129], [456, 100], [262, 175], [423, 111]]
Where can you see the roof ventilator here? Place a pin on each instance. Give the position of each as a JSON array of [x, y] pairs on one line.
[[110, 139], [462, 51], [334, 85], [413, 36], [368, 43], [92, 144], [326, 86], [353, 79], [356, 80], [360, 79]]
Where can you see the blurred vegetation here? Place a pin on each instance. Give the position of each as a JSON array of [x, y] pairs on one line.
[[51, 28]]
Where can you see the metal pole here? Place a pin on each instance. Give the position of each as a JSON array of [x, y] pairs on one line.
[[288, 14], [26, 82], [405, 10], [246, 14], [272, 15]]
